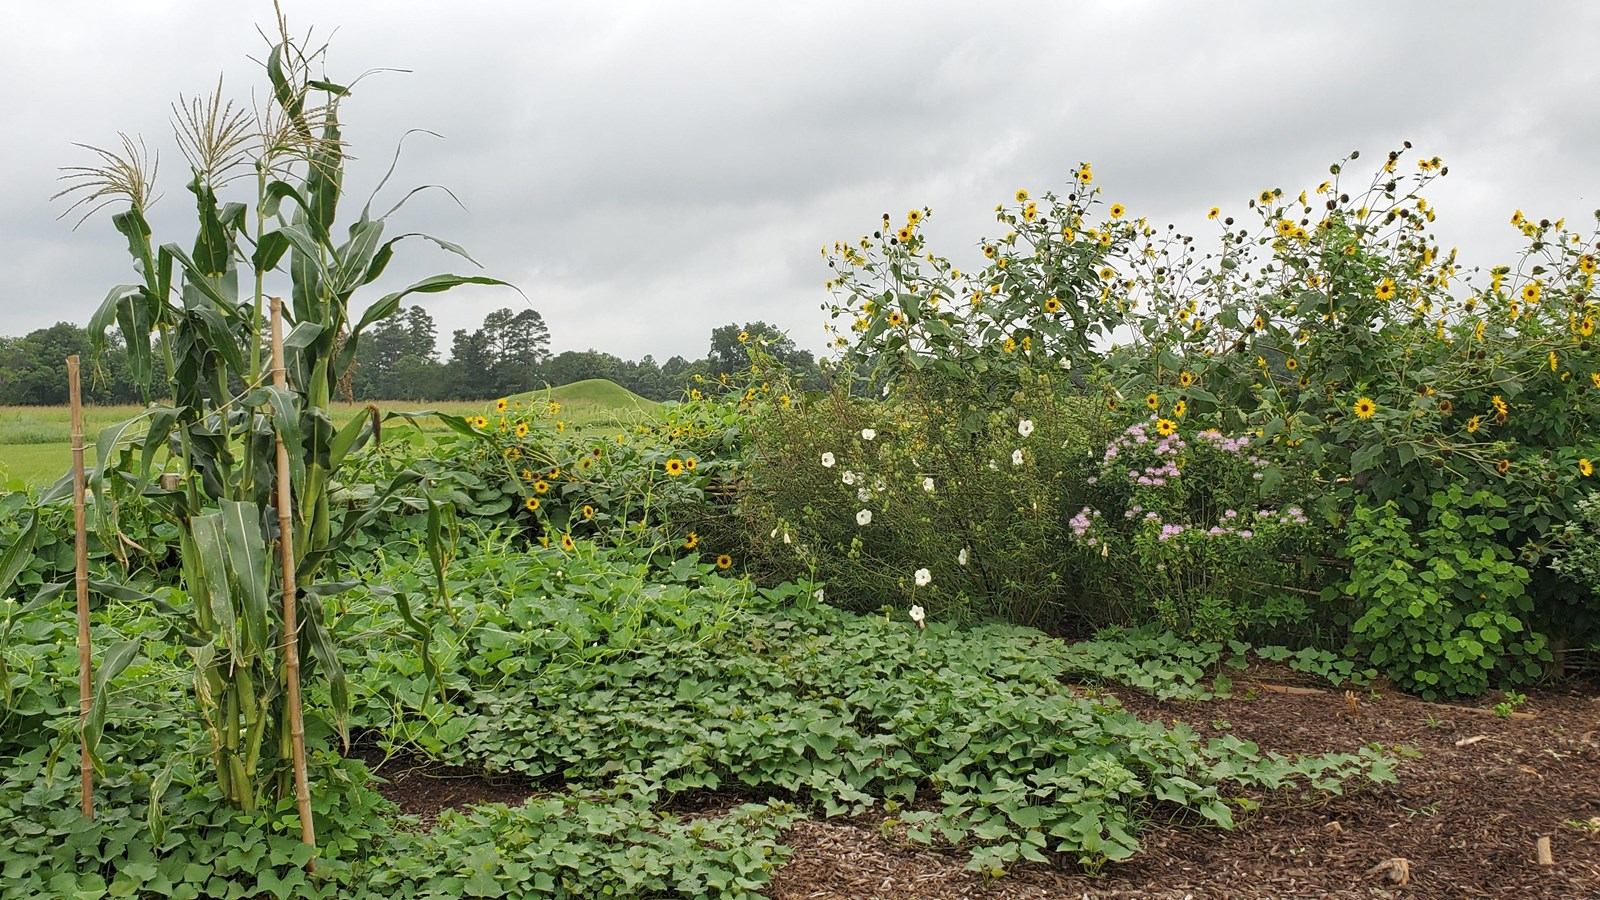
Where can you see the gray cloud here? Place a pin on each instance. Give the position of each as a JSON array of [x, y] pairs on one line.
[[647, 171]]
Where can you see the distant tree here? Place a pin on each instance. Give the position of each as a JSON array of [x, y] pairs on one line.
[[33, 368], [398, 359], [579, 365], [469, 374], [516, 344], [729, 354]]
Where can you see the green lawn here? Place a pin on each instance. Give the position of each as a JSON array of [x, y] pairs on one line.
[[35, 441]]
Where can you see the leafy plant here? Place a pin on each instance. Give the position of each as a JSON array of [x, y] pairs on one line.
[[1443, 606], [224, 416]]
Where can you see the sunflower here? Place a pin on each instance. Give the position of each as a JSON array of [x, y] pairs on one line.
[[1291, 364], [1117, 210], [692, 541], [500, 405], [560, 427], [724, 561], [689, 463], [1446, 407], [1259, 323], [1052, 305], [513, 453], [914, 216], [1473, 424], [1030, 212], [566, 543], [1586, 264], [904, 235], [588, 512], [1084, 175], [480, 422], [1385, 290], [674, 467], [1178, 409], [531, 503], [1530, 292], [541, 487], [1022, 195], [990, 250], [1215, 211], [1165, 427], [1500, 407], [1265, 197], [1585, 468], [555, 407], [1185, 379], [1365, 408], [1107, 273], [1285, 228], [1104, 238], [1153, 401], [554, 473], [522, 429], [1011, 345], [1503, 466]]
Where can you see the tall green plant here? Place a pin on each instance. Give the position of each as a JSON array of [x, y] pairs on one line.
[[220, 422]]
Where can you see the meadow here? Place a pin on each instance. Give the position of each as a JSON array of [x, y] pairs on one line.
[[36, 441]]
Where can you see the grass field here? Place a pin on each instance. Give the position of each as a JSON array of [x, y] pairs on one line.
[[36, 448]]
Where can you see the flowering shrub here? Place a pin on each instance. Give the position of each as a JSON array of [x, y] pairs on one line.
[[1332, 329], [895, 502], [1184, 522]]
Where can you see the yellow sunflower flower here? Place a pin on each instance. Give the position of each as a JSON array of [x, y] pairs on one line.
[[724, 561], [1365, 408], [1165, 427], [674, 467]]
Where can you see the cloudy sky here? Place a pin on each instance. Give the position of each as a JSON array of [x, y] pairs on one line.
[[647, 171]]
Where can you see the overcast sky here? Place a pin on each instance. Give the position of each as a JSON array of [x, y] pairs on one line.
[[647, 171]]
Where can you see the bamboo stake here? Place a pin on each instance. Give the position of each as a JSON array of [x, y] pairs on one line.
[[81, 546], [291, 629]]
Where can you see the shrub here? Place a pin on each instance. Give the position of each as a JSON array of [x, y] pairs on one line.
[[1444, 608]]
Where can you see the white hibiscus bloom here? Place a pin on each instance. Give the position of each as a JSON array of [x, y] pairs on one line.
[[849, 478], [1016, 457], [864, 517], [917, 616], [962, 556], [827, 460], [924, 578], [927, 484], [868, 434], [1025, 427]]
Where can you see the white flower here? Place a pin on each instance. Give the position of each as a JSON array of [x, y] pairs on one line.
[[863, 494], [879, 485], [994, 466], [786, 536], [817, 595], [868, 434], [917, 615], [962, 556], [924, 578], [827, 460], [1025, 427], [864, 517], [927, 484], [1016, 457], [849, 478]]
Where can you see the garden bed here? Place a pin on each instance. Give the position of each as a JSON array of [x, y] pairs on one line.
[[1465, 816]]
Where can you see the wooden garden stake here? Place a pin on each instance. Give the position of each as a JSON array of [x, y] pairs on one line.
[[81, 546], [291, 630]]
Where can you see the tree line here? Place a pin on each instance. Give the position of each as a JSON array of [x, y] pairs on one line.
[[400, 360]]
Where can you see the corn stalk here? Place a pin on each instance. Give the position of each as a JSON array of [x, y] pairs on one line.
[[223, 420]]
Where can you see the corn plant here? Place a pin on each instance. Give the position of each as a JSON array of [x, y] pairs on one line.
[[194, 323]]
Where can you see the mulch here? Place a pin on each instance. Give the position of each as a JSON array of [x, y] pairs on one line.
[[1462, 822]]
